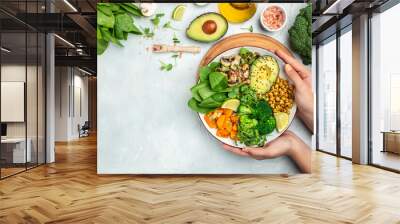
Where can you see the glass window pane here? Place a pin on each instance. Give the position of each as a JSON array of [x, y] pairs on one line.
[[41, 99], [32, 95], [346, 94], [327, 97], [385, 89], [13, 87]]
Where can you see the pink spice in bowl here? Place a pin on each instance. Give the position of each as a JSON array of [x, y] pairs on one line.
[[273, 18]]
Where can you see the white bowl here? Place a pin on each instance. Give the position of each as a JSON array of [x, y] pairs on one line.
[[265, 26], [275, 134]]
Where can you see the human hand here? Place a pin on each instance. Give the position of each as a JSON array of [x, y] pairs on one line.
[[304, 97], [288, 144]]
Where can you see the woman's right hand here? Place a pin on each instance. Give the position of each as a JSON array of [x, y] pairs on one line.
[[304, 97]]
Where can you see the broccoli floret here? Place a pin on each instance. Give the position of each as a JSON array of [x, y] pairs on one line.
[[245, 110], [248, 96], [267, 125], [300, 34], [248, 132], [246, 122], [262, 110]]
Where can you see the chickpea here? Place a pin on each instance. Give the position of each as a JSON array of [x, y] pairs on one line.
[[280, 97]]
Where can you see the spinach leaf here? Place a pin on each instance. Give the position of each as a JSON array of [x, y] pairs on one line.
[[206, 92], [219, 97], [99, 36], [218, 81], [119, 34], [130, 8], [124, 22], [213, 65], [106, 9], [104, 20], [114, 23], [115, 7], [204, 72], [102, 45], [135, 30], [210, 103], [195, 90], [194, 105], [106, 34]]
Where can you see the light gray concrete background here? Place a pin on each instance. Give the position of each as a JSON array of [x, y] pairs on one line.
[[145, 125]]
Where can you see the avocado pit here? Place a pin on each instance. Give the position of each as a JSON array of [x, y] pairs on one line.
[[209, 27]]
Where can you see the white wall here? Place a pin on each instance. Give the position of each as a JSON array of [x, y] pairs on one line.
[[70, 83]]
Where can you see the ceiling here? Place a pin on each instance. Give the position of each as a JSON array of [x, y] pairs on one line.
[[332, 15], [74, 21]]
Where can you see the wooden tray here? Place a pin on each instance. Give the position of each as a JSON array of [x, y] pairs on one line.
[[242, 40]]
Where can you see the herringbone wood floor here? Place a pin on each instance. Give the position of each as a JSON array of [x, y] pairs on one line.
[[70, 191]]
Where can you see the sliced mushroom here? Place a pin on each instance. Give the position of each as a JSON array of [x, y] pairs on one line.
[[245, 74], [233, 77], [148, 9], [236, 60], [226, 61]]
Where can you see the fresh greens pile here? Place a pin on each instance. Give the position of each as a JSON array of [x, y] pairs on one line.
[[114, 23], [300, 34], [256, 119], [211, 90]]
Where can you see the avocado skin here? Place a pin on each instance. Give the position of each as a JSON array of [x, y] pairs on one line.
[[204, 16]]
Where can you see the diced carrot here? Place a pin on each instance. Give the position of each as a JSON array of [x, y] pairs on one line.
[[222, 133], [220, 122], [211, 123], [219, 111], [228, 112], [233, 135], [234, 127], [234, 118], [228, 125]]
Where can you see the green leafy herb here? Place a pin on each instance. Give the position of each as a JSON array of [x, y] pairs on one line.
[[175, 56], [165, 66], [175, 39], [157, 18], [168, 25], [250, 28], [148, 33], [114, 23]]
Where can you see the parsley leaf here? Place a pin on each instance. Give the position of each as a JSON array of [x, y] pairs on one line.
[[156, 19], [168, 25], [165, 66], [148, 33], [175, 56], [250, 28], [175, 39]]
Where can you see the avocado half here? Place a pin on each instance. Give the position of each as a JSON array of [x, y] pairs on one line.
[[207, 27], [263, 73]]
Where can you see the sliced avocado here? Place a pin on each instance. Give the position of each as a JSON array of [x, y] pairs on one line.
[[263, 73], [207, 27]]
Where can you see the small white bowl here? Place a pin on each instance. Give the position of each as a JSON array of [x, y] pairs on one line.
[[262, 16]]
